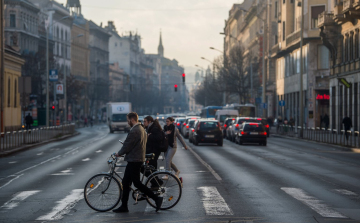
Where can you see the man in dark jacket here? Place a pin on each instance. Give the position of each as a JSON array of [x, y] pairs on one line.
[[134, 149], [347, 125], [28, 121]]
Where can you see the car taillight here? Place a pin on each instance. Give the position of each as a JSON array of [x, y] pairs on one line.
[[187, 126], [178, 124], [225, 126], [263, 133], [184, 124], [267, 126], [243, 133], [193, 130], [237, 126], [259, 119]]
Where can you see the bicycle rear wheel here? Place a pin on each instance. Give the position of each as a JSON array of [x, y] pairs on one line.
[[170, 189], [102, 192]]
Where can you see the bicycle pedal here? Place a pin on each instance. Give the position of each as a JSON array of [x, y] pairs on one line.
[[181, 180]]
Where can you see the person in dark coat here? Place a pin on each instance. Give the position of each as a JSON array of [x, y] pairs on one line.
[[154, 138], [28, 121], [326, 121], [347, 125]]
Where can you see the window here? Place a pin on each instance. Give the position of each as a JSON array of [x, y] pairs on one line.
[[9, 98], [351, 44], [346, 47], [283, 31], [356, 44], [315, 11], [15, 93], [12, 20], [283, 1], [298, 62], [276, 9], [323, 57]]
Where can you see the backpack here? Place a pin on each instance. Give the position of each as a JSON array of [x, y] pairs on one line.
[[164, 144]]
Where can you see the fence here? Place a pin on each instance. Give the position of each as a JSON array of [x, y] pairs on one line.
[[331, 136], [14, 139]]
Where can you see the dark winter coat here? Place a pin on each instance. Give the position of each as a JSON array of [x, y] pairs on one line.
[[154, 139]]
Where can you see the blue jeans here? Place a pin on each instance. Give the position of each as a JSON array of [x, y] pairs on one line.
[[169, 154]]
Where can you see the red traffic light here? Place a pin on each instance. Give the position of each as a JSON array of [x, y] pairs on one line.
[[175, 85], [53, 107]]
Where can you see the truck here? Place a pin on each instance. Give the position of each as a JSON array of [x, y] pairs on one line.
[[116, 116]]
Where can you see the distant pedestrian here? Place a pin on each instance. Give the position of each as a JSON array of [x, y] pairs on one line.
[[292, 123], [85, 122], [279, 123], [326, 121], [28, 121], [347, 125]]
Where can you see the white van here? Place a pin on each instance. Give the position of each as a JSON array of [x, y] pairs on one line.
[[221, 115]]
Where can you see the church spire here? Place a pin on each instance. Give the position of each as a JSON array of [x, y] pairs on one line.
[[160, 47]]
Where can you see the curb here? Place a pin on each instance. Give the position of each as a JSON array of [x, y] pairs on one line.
[[342, 148], [26, 147]]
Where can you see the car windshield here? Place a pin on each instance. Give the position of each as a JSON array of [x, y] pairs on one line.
[[240, 121], [208, 125], [119, 118], [254, 127], [180, 120]]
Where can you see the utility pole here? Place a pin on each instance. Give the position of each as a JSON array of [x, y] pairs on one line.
[[65, 101], [47, 76], [301, 71]]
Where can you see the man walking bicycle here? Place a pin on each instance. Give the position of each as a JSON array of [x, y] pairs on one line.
[[134, 148]]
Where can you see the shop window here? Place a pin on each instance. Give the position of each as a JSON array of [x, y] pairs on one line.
[[12, 20], [315, 11], [323, 57]]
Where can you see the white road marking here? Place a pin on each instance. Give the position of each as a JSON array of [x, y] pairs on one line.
[[12, 162], [16, 177], [346, 192], [149, 209], [39, 154], [86, 159], [99, 151], [200, 171], [205, 164], [14, 202], [64, 206], [213, 202], [64, 173], [315, 204]]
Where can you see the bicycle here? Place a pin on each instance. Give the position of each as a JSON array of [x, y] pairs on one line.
[[103, 191]]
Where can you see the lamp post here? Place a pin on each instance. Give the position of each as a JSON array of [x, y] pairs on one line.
[[65, 89], [301, 72], [47, 68]]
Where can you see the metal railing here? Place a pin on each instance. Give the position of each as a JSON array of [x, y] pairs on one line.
[[317, 134], [15, 139]]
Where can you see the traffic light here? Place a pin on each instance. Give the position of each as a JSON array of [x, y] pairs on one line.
[[53, 107], [175, 87], [183, 76]]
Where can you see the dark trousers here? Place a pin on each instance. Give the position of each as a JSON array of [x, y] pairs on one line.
[[132, 175], [28, 126], [347, 128]]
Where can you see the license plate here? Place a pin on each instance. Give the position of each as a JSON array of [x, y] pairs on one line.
[[254, 133], [209, 136]]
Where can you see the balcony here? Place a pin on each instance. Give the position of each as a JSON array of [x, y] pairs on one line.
[[348, 4], [325, 19], [356, 4], [292, 37], [275, 49], [338, 9]]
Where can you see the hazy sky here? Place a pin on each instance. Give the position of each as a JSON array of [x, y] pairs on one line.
[[189, 27]]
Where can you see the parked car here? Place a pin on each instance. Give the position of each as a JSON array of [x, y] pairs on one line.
[[186, 129], [207, 131], [227, 123], [236, 126], [251, 132]]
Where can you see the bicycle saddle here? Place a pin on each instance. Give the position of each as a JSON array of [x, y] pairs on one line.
[[150, 156]]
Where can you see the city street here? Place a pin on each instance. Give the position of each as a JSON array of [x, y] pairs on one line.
[[286, 181]]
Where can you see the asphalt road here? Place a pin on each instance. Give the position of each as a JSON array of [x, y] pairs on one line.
[[286, 181]]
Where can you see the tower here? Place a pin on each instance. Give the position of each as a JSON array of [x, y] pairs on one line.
[[160, 48], [74, 6]]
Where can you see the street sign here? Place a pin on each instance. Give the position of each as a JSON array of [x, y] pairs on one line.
[[344, 82], [59, 89], [258, 100], [53, 75], [282, 103], [264, 105]]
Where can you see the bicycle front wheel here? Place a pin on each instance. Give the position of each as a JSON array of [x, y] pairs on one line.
[[165, 185], [102, 192]]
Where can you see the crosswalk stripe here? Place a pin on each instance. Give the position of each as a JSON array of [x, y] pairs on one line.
[[345, 192], [213, 202], [315, 204], [64, 206], [14, 202]]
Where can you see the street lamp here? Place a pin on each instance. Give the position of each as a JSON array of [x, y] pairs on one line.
[[212, 48], [47, 68], [301, 71], [65, 89]]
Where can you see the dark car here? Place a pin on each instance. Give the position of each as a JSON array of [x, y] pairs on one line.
[[251, 132], [189, 125], [179, 122], [236, 126], [227, 123], [207, 131], [265, 124]]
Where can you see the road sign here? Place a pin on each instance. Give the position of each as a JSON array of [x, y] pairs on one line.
[[53, 75], [264, 105], [258, 100], [281, 103], [59, 89]]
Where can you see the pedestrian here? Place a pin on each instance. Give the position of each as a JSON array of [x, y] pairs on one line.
[[279, 122], [28, 121], [134, 150], [173, 134], [270, 121], [154, 139], [347, 125], [326, 121], [85, 122], [292, 123]]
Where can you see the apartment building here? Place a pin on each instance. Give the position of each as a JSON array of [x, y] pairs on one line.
[[339, 29], [315, 58]]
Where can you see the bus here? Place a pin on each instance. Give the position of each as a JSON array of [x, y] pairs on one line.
[[209, 111], [246, 110]]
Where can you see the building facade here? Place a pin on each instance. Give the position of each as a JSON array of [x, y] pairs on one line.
[[339, 29], [119, 84]]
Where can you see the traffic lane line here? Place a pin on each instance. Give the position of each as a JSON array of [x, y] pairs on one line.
[[15, 201], [213, 202]]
